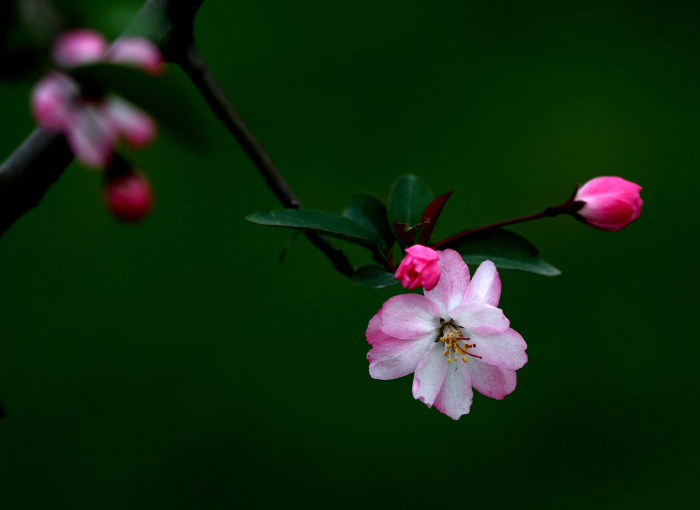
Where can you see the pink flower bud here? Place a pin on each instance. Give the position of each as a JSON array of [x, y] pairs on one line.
[[129, 196], [79, 47], [53, 101], [131, 123], [610, 203], [419, 268], [138, 52]]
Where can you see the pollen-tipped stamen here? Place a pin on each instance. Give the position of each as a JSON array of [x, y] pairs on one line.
[[453, 338]]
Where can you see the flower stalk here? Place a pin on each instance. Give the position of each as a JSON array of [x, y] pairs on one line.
[[571, 206]]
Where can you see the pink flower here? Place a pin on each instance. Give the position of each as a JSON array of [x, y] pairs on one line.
[[419, 268], [611, 203], [454, 338], [129, 196], [94, 126]]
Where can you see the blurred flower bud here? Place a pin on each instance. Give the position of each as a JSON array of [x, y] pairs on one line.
[[138, 52], [95, 123], [136, 127], [419, 268], [609, 203], [79, 47], [53, 100], [129, 195]]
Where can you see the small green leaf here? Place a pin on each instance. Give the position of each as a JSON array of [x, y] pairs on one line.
[[373, 277], [408, 199], [507, 250], [316, 221], [370, 213], [168, 99]]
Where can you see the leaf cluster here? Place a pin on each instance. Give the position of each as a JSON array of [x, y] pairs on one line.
[[408, 217]]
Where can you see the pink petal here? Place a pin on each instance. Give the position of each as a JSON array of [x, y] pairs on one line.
[[409, 316], [53, 101], [607, 185], [391, 357], [480, 318], [429, 376], [455, 397], [492, 381], [138, 52], [454, 279], [485, 286], [610, 212], [506, 349], [137, 128], [91, 138], [79, 47]]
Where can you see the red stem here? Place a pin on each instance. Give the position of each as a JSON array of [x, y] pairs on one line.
[[566, 208]]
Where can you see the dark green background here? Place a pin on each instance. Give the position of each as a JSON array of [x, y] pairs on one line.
[[177, 364]]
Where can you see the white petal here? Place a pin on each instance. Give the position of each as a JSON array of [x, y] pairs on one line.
[[430, 375], [453, 283], [455, 397], [485, 287]]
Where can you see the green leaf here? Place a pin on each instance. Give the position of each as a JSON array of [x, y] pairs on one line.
[[370, 213], [408, 199], [373, 277], [316, 221], [168, 99], [507, 250]]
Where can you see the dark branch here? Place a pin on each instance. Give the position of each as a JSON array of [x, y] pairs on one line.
[[29, 173], [196, 68], [40, 161]]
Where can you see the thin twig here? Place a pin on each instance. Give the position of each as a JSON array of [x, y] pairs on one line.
[[195, 66], [569, 207]]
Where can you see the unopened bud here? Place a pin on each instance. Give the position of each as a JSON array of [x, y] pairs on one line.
[[609, 203], [138, 52], [419, 268], [129, 196], [79, 47]]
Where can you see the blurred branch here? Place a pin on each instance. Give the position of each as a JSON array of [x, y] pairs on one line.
[[29, 172]]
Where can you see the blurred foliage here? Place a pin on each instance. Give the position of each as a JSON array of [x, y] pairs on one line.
[[177, 364]]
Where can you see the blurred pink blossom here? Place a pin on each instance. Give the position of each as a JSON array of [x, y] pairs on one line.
[[93, 126], [78, 48], [138, 52], [129, 197]]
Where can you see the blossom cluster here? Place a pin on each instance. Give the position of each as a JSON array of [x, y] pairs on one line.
[[93, 121]]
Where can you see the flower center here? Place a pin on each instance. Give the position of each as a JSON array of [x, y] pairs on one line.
[[456, 345]]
